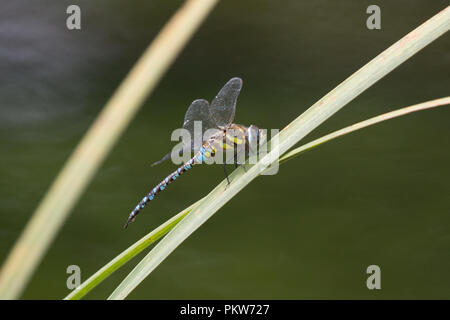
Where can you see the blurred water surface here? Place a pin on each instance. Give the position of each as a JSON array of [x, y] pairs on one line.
[[380, 196]]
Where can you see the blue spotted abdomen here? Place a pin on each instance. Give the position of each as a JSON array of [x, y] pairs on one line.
[[206, 151], [162, 185]]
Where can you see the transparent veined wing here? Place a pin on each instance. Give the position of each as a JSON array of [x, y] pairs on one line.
[[198, 111], [223, 106]]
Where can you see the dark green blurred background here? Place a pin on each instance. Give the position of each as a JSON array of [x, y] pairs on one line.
[[380, 196]]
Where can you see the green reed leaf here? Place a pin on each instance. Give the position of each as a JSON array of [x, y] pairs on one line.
[[288, 137]]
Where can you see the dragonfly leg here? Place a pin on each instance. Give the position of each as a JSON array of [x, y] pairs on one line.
[[226, 174], [237, 165]]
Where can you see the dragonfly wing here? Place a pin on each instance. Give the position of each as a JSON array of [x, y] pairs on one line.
[[198, 111], [179, 148], [223, 107], [166, 157]]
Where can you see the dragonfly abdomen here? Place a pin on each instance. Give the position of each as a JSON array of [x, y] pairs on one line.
[[161, 186]]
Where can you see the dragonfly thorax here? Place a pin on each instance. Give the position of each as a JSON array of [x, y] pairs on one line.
[[232, 144]]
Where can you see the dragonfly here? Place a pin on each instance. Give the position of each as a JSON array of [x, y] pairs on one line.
[[217, 119]]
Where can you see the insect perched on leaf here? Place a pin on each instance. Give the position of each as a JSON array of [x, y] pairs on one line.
[[217, 120]]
